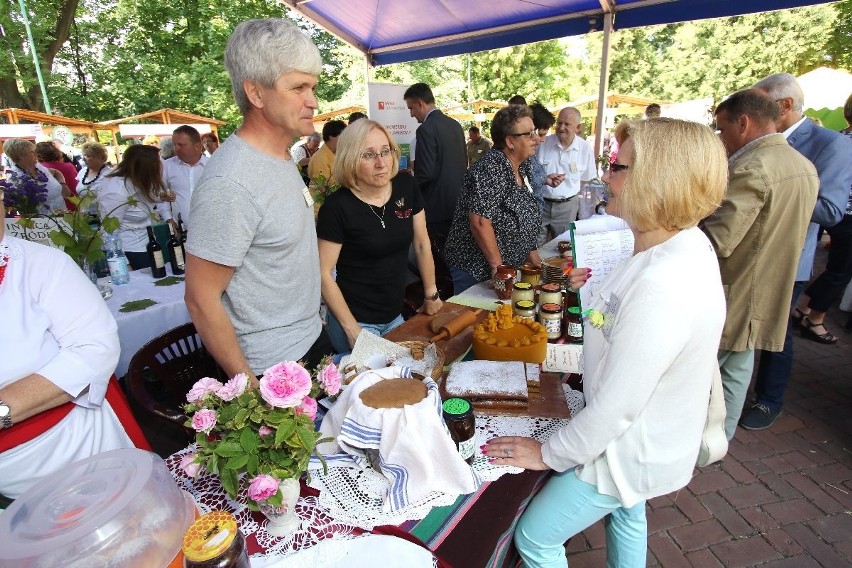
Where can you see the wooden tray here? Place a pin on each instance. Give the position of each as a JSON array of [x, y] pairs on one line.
[[417, 329], [549, 402]]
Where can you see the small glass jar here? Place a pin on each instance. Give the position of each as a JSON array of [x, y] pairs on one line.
[[550, 294], [531, 273], [573, 325], [550, 316], [564, 248], [524, 309], [214, 541], [458, 415], [522, 291]]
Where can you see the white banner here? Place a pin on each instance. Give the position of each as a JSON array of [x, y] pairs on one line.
[[25, 131], [39, 233], [143, 130], [387, 107]]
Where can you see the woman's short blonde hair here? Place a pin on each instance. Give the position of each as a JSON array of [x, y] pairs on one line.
[[95, 150], [350, 146], [16, 148], [678, 177]]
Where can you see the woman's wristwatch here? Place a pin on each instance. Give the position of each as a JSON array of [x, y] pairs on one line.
[[5, 416], [433, 297]]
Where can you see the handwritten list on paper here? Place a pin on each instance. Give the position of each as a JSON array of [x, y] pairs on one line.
[[600, 243], [563, 358]]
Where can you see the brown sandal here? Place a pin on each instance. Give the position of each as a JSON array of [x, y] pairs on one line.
[[809, 333]]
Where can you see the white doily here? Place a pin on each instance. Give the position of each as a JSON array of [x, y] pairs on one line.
[[316, 524]]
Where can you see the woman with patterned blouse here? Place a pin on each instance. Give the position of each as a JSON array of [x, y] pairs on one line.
[[497, 219]]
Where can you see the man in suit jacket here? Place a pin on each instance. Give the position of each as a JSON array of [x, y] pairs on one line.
[[756, 233], [441, 160], [830, 152]]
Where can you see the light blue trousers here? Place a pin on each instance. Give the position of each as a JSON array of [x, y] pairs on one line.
[[338, 336], [736, 368], [566, 506]]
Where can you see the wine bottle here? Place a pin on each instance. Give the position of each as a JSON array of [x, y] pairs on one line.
[[176, 257], [182, 228], [155, 255]]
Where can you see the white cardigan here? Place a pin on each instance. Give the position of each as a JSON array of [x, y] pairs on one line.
[[647, 373]]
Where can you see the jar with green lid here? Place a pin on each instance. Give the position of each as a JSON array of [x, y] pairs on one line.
[[573, 325], [522, 291], [458, 415], [214, 541], [524, 309], [550, 316], [550, 293]]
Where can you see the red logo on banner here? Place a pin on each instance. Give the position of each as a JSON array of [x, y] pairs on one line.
[[381, 105]]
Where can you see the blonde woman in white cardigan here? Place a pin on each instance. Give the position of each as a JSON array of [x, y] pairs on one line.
[[648, 356]]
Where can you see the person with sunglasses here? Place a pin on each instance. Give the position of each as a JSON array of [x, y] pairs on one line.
[[568, 155], [497, 219], [364, 232]]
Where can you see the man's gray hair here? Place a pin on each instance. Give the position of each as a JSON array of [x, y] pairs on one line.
[[263, 51], [783, 86], [315, 136]]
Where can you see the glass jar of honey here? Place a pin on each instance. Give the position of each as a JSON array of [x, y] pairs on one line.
[[524, 309], [214, 541], [522, 291]]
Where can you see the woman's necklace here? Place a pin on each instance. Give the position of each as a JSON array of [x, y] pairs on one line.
[[382, 218], [88, 183]]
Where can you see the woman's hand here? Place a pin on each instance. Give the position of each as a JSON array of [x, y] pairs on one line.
[[578, 277], [534, 258], [516, 451], [352, 334], [431, 307]]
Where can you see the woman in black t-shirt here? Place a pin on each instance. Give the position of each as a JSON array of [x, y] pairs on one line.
[[364, 231]]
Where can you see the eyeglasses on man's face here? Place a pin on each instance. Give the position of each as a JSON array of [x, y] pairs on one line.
[[370, 155], [532, 134]]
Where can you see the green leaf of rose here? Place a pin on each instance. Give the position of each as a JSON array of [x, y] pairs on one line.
[[249, 440], [228, 449], [237, 462], [229, 482], [307, 437]]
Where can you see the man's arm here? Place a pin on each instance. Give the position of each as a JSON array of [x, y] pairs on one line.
[[205, 283], [834, 166], [426, 166], [728, 225]]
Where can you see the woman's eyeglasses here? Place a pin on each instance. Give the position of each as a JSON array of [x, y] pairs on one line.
[[370, 155], [615, 168], [532, 134]]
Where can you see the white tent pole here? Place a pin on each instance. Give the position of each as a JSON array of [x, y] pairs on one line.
[[603, 86]]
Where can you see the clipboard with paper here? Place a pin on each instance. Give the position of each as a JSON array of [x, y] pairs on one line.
[[601, 243]]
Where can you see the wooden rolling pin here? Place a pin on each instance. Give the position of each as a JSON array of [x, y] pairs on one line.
[[455, 326]]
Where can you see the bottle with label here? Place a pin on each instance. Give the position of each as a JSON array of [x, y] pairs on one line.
[[119, 270], [155, 255], [458, 415], [182, 229], [214, 541], [573, 325], [176, 257]]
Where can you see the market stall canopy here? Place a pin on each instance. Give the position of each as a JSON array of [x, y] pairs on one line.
[[394, 31], [30, 124], [825, 88], [164, 116]]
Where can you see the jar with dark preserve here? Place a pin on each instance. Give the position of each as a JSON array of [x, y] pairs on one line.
[[573, 325], [214, 541], [570, 299], [550, 316], [522, 291], [458, 415]]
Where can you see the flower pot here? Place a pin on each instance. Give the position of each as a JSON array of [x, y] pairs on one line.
[[283, 521]]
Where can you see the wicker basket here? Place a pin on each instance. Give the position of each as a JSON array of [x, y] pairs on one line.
[[438, 370]]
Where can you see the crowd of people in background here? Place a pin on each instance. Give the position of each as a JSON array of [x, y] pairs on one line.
[[725, 228]]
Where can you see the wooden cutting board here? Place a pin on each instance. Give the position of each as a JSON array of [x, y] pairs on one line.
[[417, 329]]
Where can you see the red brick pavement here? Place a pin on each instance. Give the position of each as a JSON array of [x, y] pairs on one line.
[[781, 498]]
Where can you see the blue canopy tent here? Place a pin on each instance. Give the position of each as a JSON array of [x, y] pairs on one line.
[[395, 31]]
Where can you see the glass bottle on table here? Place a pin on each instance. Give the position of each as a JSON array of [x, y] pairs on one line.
[[155, 255], [182, 229], [176, 256], [119, 271]]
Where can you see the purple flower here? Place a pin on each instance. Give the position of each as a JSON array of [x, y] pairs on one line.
[[262, 487], [24, 193], [330, 378], [233, 388], [202, 388], [285, 385], [204, 420]]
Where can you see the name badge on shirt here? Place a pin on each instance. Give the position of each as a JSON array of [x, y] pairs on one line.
[[307, 195], [573, 167]]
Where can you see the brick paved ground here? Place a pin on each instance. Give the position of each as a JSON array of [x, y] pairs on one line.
[[782, 497]]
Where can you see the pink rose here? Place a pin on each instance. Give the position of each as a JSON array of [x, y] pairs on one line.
[[202, 388], [190, 466], [233, 388], [262, 487], [265, 431], [308, 406], [330, 379], [285, 385], [204, 420]]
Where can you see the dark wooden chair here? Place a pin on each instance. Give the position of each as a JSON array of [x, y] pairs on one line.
[[162, 372]]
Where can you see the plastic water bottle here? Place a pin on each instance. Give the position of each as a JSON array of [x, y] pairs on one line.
[[587, 202], [118, 268]]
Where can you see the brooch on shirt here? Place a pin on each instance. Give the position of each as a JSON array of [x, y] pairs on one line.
[[404, 214]]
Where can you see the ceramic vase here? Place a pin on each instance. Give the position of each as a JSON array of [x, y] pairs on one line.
[[282, 520]]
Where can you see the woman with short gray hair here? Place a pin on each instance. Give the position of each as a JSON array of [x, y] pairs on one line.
[[25, 166]]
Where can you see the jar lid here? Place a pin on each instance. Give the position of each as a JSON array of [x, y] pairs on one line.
[[574, 310], [551, 287], [456, 407], [551, 308], [523, 286], [525, 304], [209, 536]]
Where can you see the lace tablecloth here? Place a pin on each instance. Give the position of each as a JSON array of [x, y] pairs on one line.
[[350, 499]]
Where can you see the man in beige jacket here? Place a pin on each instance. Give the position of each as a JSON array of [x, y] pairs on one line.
[[757, 233]]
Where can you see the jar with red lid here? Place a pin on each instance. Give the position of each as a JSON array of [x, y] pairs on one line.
[[550, 316], [550, 293]]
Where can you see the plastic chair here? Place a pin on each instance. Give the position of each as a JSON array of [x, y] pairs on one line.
[[162, 372]]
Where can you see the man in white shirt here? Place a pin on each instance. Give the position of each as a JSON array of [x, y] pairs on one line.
[[182, 171], [564, 153]]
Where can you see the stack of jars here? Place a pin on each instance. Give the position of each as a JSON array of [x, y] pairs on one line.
[[556, 308]]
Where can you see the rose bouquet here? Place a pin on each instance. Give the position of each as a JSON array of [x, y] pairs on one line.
[[258, 436]]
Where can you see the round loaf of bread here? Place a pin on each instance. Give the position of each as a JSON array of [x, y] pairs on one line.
[[393, 393]]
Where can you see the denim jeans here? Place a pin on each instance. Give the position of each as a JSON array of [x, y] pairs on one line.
[[563, 508], [338, 336], [462, 280], [775, 366]]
